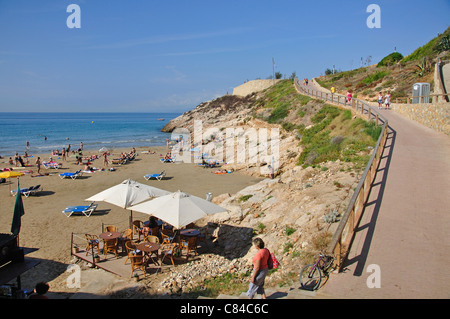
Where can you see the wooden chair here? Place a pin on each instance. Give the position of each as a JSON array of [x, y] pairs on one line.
[[167, 236], [138, 227], [152, 239], [190, 245], [111, 228], [127, 235], [154, 231], [110, 246], [138, 261], [168, 250], [129, 246], [92, 242]]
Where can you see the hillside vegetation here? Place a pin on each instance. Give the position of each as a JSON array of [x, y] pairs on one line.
[[395, 73], [325, 132]]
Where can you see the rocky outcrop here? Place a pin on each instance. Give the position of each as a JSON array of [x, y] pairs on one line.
[[290, 211], [253, 87]]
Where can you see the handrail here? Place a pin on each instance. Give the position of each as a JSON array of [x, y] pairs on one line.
[[343, 236]]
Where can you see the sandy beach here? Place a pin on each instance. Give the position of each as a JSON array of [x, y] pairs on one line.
[[47, 232]]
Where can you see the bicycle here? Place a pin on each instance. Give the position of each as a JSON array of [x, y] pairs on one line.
[[311, 275]]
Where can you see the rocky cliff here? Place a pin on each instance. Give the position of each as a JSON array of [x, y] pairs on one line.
[[295, 212]]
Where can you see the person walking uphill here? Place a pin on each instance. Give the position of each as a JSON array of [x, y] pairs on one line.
[[260, 270]]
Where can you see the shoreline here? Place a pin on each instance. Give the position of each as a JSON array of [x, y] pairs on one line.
[[47, 232]]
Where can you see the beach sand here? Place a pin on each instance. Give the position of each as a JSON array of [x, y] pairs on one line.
[[47, 232]]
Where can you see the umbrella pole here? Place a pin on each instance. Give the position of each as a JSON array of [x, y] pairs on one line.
[[131, 219]]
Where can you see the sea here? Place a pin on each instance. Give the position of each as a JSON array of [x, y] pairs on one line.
[[46, 132]]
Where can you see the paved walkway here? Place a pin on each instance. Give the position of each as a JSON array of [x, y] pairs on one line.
[[405, 229]]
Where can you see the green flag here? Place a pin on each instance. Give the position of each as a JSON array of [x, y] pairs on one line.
[[18, 213]]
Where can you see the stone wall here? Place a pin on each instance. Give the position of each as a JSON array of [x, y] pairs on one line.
[[434, 116], [253, 86]]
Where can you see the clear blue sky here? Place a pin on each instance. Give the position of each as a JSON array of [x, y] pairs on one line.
[[169, 56]]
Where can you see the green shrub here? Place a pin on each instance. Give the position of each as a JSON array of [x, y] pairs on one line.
[[245, 198], [390, 59], [375, 77]]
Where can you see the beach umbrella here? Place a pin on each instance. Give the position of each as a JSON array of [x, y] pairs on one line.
[[178, 209], [18, 213], [9, 174], [127, 194]]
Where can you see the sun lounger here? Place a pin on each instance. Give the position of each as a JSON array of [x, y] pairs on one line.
[[28, 191], [86, 210], [167, 160], [71, 175], [159, 176], [50, 165], [119, 161]]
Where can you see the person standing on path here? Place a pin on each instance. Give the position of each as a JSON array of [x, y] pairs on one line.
[[387, 100], [380, 100], [349, 97], [260, 270]]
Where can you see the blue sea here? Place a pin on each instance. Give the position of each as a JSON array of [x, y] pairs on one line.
[[51, 131]]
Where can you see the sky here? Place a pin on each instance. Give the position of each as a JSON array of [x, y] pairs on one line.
[[171, 55]]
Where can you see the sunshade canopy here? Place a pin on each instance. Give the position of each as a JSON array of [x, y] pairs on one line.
[[128, 193], [178, 209], [9, 174]]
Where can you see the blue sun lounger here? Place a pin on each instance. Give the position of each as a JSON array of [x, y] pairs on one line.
[[159, 176], [28, 191], [86, 210], [71, 175]]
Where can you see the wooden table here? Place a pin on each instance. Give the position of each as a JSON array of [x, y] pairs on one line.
[[190, 232], [149, 249], [110, 235]]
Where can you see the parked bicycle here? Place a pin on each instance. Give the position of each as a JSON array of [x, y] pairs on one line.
[[311, 275]]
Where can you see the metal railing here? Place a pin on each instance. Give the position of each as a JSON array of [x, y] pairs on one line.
[[343, 236]]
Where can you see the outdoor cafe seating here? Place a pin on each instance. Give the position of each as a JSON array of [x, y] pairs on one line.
[[138, 261], [92, 242], [138, 228], [147, 253]]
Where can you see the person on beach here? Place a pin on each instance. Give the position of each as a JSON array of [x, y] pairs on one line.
[[260, 269], [105, 159], [387, 100], [16, 159], [64, 154], [380, 100], [81, 146], [38, 165]]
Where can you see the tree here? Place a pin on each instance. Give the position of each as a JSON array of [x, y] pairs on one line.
[[278, 75]]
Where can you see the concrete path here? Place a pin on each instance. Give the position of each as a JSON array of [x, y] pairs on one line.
[[404, 234]]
